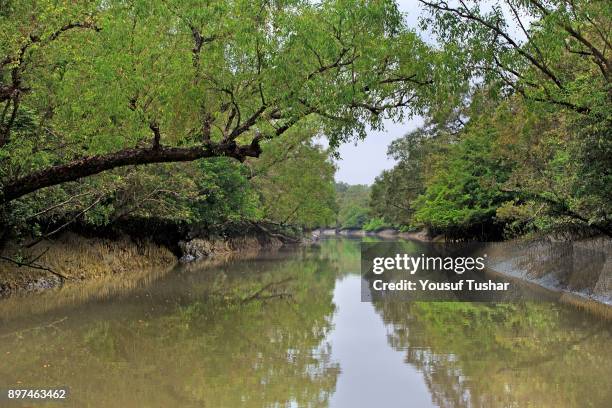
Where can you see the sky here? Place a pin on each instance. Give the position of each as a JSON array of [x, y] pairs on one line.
[[361, 163]]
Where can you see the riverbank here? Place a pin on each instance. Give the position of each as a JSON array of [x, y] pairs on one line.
[[190, 336], [580, 267], [85, 253], [386, 233]]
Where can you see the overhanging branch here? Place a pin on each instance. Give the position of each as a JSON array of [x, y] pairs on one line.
[[91, 165]]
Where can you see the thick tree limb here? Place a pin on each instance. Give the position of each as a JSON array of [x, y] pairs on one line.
[[91, 165]]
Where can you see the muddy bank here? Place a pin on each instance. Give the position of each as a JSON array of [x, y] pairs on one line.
[[199, 244], [386, 233], [86, 253], [74, 257], [581, 267], [577, 266]]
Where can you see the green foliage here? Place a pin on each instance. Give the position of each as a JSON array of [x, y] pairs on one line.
[[518, 115], [353, 217], [549, 52], [509, 167], [394, 190], [376, 224], [295, 181], [464, 188], [353, 211], [526, 147], [273, 63], [224, 192], [79, 79]]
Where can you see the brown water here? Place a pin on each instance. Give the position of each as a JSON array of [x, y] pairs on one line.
[[288, 329]]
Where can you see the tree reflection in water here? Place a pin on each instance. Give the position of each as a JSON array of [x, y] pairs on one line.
[[217, 337], [256, 333], [504, 355]]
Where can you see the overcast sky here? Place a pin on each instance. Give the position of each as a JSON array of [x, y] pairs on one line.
[[361, 163]]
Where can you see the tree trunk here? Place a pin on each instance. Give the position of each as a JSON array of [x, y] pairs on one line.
[[91, 165]]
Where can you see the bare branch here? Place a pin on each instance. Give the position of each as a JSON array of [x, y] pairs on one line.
[[240, 129], [53, 207], [32, 265], [336, 64], [58, 229]]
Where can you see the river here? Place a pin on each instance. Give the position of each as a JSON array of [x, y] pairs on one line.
[[288, 329]]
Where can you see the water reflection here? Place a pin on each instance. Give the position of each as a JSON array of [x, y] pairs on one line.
[[287, 329], [504, 355], [220, 337]]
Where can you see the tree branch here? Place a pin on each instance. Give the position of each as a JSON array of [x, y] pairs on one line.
[[53, 207], [156, 134], [32, 265], [467, 14], [91, 165]]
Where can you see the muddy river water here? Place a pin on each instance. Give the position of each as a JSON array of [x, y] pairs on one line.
[[288, 329]]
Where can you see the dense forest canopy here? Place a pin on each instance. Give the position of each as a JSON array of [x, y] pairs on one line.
[[528, 146], [93, 86], [352, 201], [210, 111]]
